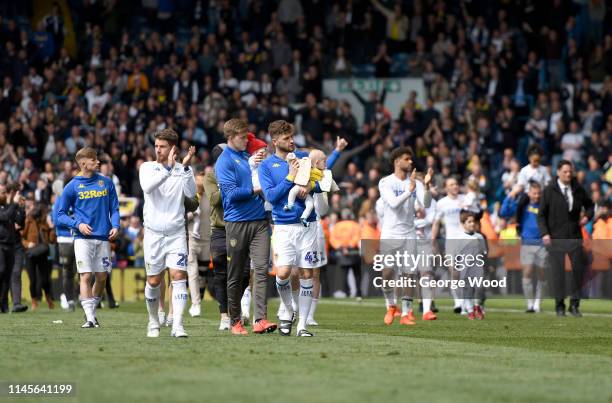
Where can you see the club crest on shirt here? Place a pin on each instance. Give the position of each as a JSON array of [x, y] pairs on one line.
[[81, 186], [233, 242], [237, 161], [101, 183]]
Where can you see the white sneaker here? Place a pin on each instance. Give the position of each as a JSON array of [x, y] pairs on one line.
[[161, 316], [169, 321], [195, 310], [64, 302], [311, 322], [224, 324], [178, 331], [153, 329]]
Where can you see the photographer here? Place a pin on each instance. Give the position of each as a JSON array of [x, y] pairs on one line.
[[36, 242], [9, 217]]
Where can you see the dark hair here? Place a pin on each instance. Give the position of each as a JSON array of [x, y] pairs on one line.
[[279, 128], [534, 149], [563, 162], [465, 214], [398, 152], [534, 184], [168, 135]]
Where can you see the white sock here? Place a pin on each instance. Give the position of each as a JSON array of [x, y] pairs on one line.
[[179, 301], [528, 291], [152, 299], [305, 300], [406, 305], [455, 295], [389, 294], [245, 302], [295, 296], [94, 305], [426, 305], [540, 287], [87, 305], [313, 308], [284, 291], [468, 303]]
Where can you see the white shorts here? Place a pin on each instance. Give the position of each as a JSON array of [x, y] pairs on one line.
[[534, 255], [163, 251], [296, 245], [390, 247], [92, 256]]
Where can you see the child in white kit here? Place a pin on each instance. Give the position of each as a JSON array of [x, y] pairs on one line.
[[318, 161], [256, 148]]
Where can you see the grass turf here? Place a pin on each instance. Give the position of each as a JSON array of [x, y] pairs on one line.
[[509, 357]]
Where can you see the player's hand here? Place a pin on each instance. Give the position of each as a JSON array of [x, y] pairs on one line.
[[303, 192], [113, 233], [428, 177], [584, 220], [260, 156], [190, 153], [341, 144], [17, 198], [294, 166], [31, 245], [85, 229], [546, 239], [412, 184], [172, 157]]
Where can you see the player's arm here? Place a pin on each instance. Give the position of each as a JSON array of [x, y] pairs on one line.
[[435, 228], [272, 192], [387, 194], [543, 214], [150, 178], [228, 182], [508, 207], [65, 201], [211, 190], [189, 186], [114, 206]]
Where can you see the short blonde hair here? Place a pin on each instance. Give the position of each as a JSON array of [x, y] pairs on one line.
[[234, 127], [279, 128], [85, 152]]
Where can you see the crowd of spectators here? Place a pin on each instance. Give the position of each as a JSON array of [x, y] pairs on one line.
[[499, 76]]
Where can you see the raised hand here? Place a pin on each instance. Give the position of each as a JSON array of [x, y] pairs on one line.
[[428, 177], [172, 156], [412, 184], [190, 153], [341, 144]]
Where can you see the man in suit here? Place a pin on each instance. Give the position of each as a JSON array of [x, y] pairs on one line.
[[559, 220]]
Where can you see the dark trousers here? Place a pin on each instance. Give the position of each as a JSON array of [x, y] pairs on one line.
[[557, 252], [39, 271], [109, 290], [7, 259], [218, 250], [16, 277], [68, 263], [247, 239]]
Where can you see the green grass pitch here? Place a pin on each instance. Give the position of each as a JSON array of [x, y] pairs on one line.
[[354, 357]]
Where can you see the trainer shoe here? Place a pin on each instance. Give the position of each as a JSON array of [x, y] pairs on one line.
[[96, 323], [457, 309], [153, 329], [224, 324], [479, 313], [390, 315], [304, 333], [239, 330], [574, 311], [405, 320], [263, 326], [161, 316], [178, 331], [429, 315], [195, 310], [311, 322], [64, 302], [530, 310], [88, 325], [471, 315], [284, 328], [17, 308], [411, 315], [434, 308]]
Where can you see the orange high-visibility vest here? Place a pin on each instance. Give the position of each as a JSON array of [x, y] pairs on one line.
[[345, 234]]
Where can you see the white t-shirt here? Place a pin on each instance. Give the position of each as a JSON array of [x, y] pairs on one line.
[[529, 173], [423, 225], [399, 206], [164, 195], [448, 210], [572, 140]]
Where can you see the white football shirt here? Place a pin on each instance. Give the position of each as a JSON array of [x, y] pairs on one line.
[[399, 207], [448, 210]]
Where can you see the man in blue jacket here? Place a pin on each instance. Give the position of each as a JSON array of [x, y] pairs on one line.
[[246, 228], [93, 200], [294, 243], [65, 242], [533, 252]]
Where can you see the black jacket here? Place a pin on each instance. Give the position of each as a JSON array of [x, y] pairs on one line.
[[10, 215], [554, 219]]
